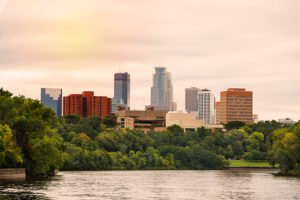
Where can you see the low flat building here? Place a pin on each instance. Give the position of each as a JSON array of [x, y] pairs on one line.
[[287, 121], [133, 119], [187, 121]]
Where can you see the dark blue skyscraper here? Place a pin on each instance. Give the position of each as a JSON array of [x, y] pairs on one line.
[[52, 97], [121, 90]]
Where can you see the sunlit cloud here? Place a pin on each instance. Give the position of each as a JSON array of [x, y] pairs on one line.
[[78, 45]]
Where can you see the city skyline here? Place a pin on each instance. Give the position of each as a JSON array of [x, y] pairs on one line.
[[215, 45]]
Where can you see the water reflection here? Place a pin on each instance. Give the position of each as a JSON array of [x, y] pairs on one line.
[[30, 189], [162, 185]]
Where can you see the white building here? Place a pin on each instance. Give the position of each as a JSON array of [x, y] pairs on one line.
[[255, 119], [287, 121], [206, 109]]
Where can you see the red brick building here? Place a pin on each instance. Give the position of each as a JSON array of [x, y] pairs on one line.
[[236, 104], [86, 105]]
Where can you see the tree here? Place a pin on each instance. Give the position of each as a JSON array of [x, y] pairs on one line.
[[72, 119], [9, 155], [285, 150], [44, 154], [110, 121], [234, 125], [5, 93]]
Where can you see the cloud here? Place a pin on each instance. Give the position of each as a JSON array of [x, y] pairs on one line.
[[211, 44]]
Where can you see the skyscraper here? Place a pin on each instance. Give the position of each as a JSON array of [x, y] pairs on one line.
[[162, 90], [191, 96], [236, 104], [52, 97], [86, 105], [121, 90], [206, 106]]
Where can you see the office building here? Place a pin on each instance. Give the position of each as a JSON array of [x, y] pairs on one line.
[[191, 96], [206, 106], [121, 90], [52, 97], [86, 105], [162, 90], [136, 119], [236, 104]]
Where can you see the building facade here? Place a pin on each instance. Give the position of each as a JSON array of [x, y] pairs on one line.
[[206, 106], [139, 119], [162, 89], [287, 121], [121, 90], [52, 97], [86, 105], [191, 96], [187, 121], [236, 104]]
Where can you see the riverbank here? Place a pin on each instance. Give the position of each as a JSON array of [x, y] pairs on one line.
[[249, 164], [12, 174]]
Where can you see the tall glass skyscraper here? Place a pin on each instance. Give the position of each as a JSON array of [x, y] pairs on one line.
[[162, 90], [52, 97], [206, 106], [121, 90]]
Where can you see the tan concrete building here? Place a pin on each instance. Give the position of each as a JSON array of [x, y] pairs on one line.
[[187, 121], [126, 122], [236, 104], [141, 119]]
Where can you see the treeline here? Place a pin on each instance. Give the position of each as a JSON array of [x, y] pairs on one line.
[[32, 137]]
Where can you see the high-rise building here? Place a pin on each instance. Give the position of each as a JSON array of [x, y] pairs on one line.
[[86, 105], [191, 96], [122, 89], [236, 104], [206, 106], [52, 97], [162, 90]]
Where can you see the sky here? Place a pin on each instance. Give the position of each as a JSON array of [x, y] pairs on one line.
[[78, 45]]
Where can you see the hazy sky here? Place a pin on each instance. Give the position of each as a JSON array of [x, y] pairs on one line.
[[216, 44]]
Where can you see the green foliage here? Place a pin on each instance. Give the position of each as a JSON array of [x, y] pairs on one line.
[[234, 125], [9, 155], [44, 152], [31, 132], [285, 150], [255, 155], [110, 121], [31, 136], [5, 93]]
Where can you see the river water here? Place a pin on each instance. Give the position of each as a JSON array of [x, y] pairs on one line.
[[162, 185]]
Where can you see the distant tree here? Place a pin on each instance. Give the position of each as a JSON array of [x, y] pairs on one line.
[[176, 130], [234, 125], [285, 150], [110, 121], [72, 119], [5, 93]]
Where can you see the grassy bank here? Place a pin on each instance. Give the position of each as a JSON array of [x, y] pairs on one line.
[[244, 163]]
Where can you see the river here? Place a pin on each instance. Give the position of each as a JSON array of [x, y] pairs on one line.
[[162, 185]]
